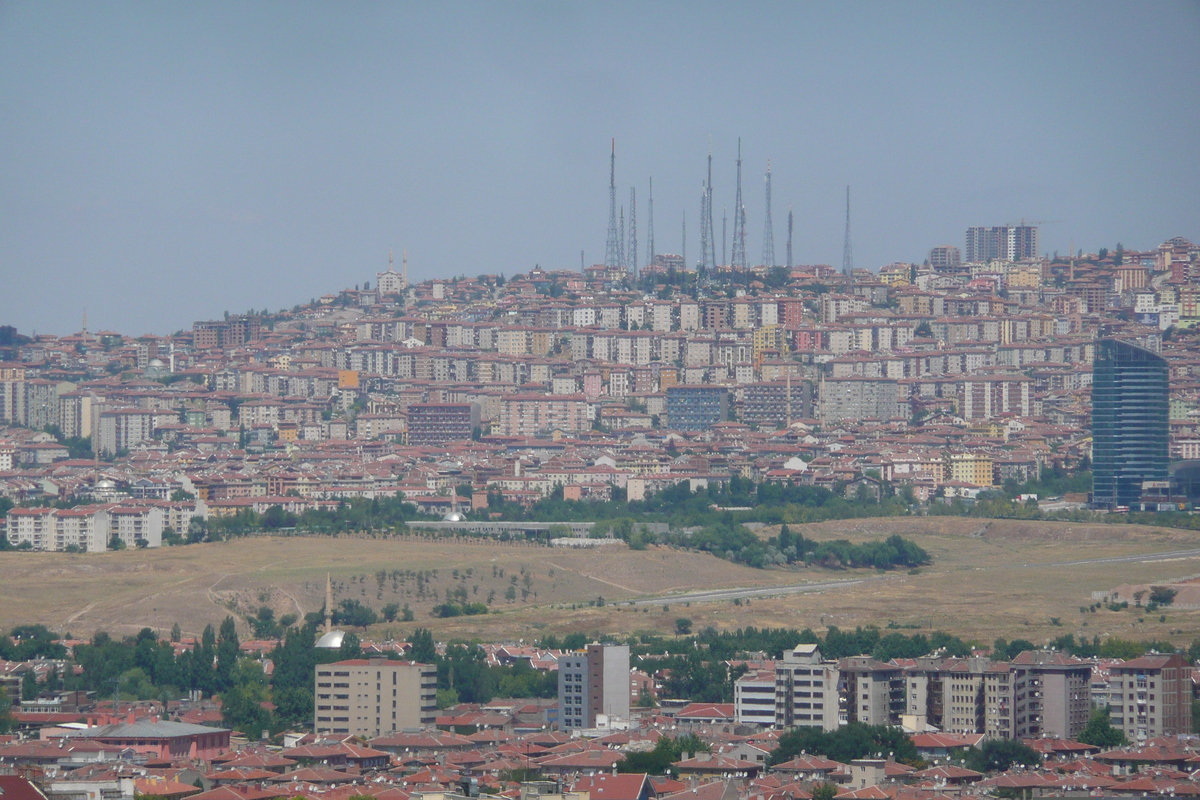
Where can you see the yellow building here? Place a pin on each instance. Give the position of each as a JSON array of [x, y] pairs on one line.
[[970, 468], [770, 337]]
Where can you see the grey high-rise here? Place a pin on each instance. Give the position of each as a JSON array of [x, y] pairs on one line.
[[1130, 408]]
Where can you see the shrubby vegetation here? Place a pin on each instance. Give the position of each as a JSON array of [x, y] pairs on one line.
[[666, 751], [997, 755], [847, 743], [146, 667]]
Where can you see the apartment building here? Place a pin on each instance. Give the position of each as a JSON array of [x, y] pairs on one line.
[[1008, 242], [976, 469], [90, 528], [696, 407], [754, 698], [947, 693], [806, 689], [772, 404], [945, 257], [858, 398], [1151, 696], [370, 697], [438, 423], [538, 414], [122, 428], [872, 692], [1039, 694], [593, 683]]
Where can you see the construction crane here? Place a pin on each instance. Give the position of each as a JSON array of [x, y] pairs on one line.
[[1024, 222]]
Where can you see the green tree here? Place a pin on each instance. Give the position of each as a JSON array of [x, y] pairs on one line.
[[421, 647], [242, 703], [666, 751], [683, 626], [824, 791], [351, 647], [1100, 732], [845, 744], [1162, 595], [998, 755], [228, 650], [7, 723]]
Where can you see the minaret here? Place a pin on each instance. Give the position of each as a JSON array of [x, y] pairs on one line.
[[406, 269], [328, 604]]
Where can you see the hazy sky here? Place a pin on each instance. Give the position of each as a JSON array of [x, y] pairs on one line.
[[165, 162]]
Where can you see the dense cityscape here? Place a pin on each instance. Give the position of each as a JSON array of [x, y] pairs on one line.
[[664, 407], [599, 401]]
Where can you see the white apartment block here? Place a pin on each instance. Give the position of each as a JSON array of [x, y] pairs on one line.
[[806, 690], [90, 528], [754, 698], [122, 428]]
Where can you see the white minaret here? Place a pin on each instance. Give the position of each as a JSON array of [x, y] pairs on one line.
[[328, 604]]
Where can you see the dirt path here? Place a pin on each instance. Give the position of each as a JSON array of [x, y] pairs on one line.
[[80, 613]]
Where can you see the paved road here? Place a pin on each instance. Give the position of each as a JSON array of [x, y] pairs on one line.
[[760, 591], [1124, 559], [712, 595]]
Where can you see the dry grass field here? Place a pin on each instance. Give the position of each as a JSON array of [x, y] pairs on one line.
[[988, 579]]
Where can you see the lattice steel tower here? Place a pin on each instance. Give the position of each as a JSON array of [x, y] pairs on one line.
[[739, 218], [708, 233], [724, 239], [768, 256], [621, 240], [847, 250], [631, 252], [612, 250], [789, 244], [650, 254]]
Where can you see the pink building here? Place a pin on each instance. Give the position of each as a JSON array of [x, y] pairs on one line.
[[161, 738]]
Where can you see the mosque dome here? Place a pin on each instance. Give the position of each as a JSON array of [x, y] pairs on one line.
[[331, 640], [454, 516]]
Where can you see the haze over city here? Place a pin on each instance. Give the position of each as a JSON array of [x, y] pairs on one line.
[[164, 163]]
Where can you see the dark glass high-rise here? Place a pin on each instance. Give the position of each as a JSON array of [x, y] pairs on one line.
[[1130, 410]]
